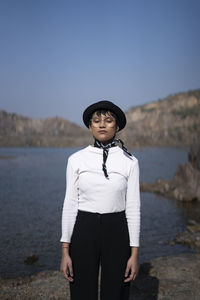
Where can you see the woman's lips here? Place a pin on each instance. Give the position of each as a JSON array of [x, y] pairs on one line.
[[102, 131]]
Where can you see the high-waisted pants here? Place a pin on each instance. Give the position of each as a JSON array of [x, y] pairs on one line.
[[100, 240]]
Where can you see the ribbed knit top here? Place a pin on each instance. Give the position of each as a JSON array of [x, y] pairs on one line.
[[88, 189]]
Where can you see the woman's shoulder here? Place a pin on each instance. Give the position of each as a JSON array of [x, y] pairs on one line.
[[82, 154], [78, 154], [130, 159]]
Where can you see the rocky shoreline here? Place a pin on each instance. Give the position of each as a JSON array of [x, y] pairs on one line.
[[185, 185], [163, 278], [189, 237]]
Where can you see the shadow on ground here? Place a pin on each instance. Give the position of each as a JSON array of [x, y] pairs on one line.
[[144, 287]]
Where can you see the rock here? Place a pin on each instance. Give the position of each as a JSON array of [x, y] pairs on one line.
[[167, 122], [195, 228], [31, 259], [189, 237], [159, 187], [187, 182], [192, 222], [194, 156], [17, 130], [174, 120], [185, 185]]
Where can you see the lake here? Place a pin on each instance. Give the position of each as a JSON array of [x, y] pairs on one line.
[[32, 188]]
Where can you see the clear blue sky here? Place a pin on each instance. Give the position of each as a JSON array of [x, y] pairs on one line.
[[59, 56]]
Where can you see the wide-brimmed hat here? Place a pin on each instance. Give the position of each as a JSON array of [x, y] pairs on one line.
[[107, 105]]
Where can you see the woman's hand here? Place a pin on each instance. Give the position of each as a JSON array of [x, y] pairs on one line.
[[132, 266], [66, 265]]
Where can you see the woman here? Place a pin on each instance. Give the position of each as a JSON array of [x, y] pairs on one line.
[[101, 211]]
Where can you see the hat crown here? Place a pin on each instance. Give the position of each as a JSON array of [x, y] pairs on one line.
[[107, 105]]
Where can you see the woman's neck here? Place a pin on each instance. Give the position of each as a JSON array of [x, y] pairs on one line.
[[105, 142]]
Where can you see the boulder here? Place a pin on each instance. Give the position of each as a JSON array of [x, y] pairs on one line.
[[185, 185], [31, 259]]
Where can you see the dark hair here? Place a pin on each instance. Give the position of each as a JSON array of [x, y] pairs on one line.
[[104, 112]]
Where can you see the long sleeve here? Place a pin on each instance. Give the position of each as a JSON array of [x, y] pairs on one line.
[[133, 204], [70, 205]]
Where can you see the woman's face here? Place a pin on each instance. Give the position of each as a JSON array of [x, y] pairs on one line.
[[103, 127]]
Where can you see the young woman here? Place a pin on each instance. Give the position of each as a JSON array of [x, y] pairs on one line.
[[101, 211]]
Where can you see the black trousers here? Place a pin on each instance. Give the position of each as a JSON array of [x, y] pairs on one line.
[[100, 240]]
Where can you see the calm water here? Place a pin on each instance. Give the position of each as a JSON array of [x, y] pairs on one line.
[[32, 188]]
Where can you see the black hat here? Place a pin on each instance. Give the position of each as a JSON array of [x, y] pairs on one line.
[[107, 105]]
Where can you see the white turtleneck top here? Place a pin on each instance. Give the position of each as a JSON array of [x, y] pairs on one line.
[[88, 189]]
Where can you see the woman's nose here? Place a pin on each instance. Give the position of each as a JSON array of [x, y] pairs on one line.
[[101, 123]]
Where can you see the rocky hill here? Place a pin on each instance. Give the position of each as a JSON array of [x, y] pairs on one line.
[[17, 130], [173, 121]]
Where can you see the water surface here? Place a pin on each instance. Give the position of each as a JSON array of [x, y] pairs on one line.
[[32, 188]]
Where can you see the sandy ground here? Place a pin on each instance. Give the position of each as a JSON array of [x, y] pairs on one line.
[[175, 277]]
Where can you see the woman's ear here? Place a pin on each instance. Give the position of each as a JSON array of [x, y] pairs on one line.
[[117, 128]]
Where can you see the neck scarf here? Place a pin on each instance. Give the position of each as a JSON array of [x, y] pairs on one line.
[[106, 148]]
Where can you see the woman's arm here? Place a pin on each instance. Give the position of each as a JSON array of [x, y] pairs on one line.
[[69, 213], [70, 205], [133, 204], [133, 220], [132, 265], [66, 263]]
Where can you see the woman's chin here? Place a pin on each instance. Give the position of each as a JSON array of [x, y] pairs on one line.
[[104, 139]]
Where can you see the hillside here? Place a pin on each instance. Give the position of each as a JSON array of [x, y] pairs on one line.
[[17, 130], [173, 121]]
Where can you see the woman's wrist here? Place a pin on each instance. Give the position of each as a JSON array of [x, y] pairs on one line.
[[134, 252], [65, 247]]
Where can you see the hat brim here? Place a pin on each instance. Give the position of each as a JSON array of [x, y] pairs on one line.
[[107, 105]]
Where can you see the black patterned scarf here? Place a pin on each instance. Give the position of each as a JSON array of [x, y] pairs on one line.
[[106, 148]]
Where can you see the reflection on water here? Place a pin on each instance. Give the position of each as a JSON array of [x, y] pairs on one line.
[[32, 187]]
